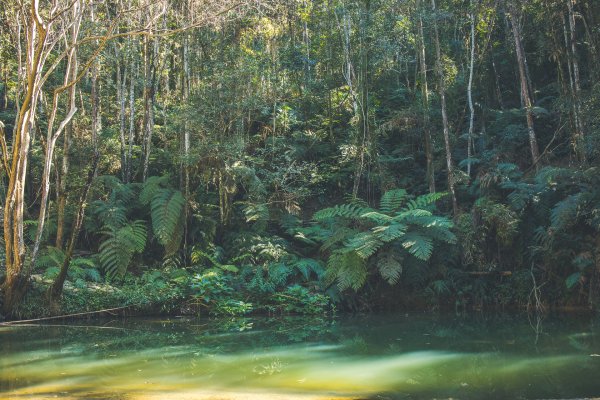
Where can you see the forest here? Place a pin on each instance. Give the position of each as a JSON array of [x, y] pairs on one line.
[[234, 157]]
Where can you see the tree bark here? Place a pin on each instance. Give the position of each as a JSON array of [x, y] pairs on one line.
[[470, 90], [579, 137], [16, 277], [525, 94], [442, 94], [425, 99]]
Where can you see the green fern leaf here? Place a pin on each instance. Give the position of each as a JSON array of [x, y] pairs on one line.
[[391, 232], [365, 244], [390, 267], [121, 244], [344, 210], [167, 209], [418, 245], [346, 268], [392, 200]]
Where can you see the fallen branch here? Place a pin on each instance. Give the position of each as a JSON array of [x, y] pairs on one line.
[[106, 310]]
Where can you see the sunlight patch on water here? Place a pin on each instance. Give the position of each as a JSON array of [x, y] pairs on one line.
[[235, 365]]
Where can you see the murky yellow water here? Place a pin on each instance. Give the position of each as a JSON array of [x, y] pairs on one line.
[[303, 358]]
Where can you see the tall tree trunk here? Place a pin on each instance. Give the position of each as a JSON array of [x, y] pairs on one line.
[[56, 289], [363, 103], [425, 99], [442, 94], [149, 99], [470, 89], [122, 101], [579, 139], [15, 283], [525, 94], [131, 133]]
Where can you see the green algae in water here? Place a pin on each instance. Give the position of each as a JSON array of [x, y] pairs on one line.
[[348, 357]]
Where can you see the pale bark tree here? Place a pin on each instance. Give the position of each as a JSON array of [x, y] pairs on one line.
[[470, 88], [425, 101], [514, 16], [445, 124]]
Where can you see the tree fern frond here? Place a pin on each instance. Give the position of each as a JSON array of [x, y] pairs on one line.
[[425, 200], [392, 200], [336, 237], [256, 212], [344, 210], [365, 244], [346, 268], [377, 217], [390, 232], [418, 245], [306, 266], [390, 267], [151, 187], [117, 251], [167, 209], [565, 212]]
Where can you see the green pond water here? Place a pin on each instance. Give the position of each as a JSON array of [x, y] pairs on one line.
[[379, 357]]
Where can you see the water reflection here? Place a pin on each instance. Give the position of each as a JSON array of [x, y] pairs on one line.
[[353, 357]]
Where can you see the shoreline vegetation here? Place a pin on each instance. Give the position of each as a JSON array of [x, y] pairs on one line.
[[238, 157]]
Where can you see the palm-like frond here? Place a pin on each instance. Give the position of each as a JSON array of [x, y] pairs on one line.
[[392, 200], [167, 207], [121, 244]]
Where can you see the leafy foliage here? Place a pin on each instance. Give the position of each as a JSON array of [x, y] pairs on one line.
[[399, 224], [119, 247]]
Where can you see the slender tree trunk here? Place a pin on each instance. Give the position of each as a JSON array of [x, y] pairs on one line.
[[186, 139], [442, 94], [149, 100], [425, 98], [16, 277], [579, 139], [122, 101], [470, 90], [56, 289], [525, 95], [131, 133], [363, 103]]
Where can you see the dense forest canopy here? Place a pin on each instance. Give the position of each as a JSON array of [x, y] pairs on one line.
[[286, 155]]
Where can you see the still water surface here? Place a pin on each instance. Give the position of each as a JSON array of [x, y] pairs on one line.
[[378, 357]]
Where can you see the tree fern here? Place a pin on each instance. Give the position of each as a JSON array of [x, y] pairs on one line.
[[344, 210], [418, 245], [346, 268], [357, 231], [365, 244], [151, 187], [119, 247], [392, 200], [167, 210], [306, 266], [425, 200], [390, 267], [565, 212]]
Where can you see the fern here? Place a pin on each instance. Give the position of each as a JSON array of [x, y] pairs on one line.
[[390, 267], [365, 244], [425, 200], [307, 265], [151, 187], [392, 200], [121, 244], [344, 210], [167, 207], [346, 268], [564, 213], [356, 231], [418, 245], [390, 232]]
